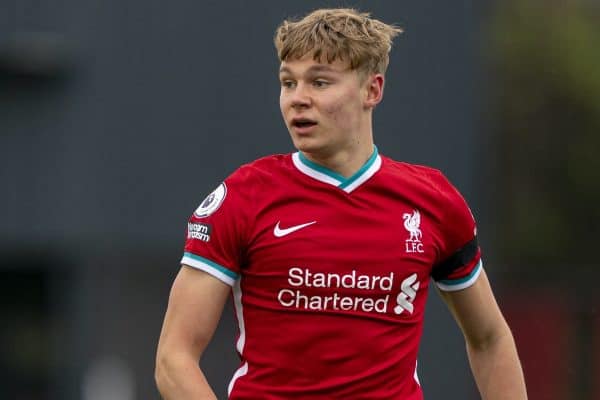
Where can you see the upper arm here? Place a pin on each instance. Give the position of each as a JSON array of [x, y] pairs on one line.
[[476, 311], [195, 305]]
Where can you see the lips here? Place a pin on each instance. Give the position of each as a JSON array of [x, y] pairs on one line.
[[303, 122]]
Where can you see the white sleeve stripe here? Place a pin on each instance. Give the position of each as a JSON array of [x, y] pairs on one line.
[[243, 370], [448, 286], [198, 264]]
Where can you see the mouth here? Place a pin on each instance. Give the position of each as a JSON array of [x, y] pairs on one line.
[[303, 123]]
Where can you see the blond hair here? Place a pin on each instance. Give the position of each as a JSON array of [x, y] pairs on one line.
[[341, 33]]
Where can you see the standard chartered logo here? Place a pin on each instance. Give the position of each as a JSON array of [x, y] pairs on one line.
[[349, 292], [408, 292]]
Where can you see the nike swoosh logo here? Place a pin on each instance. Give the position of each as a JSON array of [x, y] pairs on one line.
[[278, 232]]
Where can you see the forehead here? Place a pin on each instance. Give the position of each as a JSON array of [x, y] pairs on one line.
[[308, 64]]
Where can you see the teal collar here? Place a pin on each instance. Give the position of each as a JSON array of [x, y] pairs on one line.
[[326, 175]]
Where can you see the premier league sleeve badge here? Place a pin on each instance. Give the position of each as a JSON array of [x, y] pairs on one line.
[[212, 202]]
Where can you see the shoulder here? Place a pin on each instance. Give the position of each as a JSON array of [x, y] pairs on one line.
[[262, 169], [235, 199], [251, 181], [417, 175], [428, 186]]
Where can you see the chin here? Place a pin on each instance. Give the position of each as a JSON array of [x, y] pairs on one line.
[[307, 145]]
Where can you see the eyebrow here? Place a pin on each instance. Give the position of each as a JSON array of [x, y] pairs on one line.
[[313, 69]]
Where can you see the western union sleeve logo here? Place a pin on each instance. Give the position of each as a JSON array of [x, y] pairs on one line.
[[199, 231]]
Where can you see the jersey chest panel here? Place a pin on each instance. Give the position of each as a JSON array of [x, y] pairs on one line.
[[326, 251]]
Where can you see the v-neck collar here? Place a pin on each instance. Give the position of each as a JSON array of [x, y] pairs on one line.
[[326, 175]]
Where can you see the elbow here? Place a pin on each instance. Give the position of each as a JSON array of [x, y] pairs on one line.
[[159, 373], [162, 373], [492, 338]]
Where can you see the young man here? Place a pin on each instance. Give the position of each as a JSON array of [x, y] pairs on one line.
[[329, 251]]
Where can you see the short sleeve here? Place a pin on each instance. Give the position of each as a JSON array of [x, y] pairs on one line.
[[215, 236], [459, 264]]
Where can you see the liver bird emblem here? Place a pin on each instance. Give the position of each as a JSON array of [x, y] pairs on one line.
[[411, 223]]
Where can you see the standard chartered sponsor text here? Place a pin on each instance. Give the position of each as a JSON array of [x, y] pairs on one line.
[[299, 278]]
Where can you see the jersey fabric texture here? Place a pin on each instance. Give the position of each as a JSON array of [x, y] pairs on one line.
[[329, 274]]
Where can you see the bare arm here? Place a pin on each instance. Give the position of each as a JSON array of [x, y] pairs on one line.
[[195, 306], [490, 345]]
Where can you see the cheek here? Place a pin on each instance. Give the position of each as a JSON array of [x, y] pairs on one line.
[[283, 105], [334, 106], [342, 111], [281, 101]]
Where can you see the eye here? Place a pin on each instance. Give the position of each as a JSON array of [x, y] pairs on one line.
[[287, 84], [320, 83]]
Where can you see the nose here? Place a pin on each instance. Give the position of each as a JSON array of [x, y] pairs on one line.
[[300, 97]]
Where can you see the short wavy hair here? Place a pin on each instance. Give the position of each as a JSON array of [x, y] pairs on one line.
[[340, 33]]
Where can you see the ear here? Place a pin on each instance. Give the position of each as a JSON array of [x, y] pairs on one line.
[[374, 90]]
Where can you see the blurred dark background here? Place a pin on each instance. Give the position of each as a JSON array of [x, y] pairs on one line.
[[118, 117]]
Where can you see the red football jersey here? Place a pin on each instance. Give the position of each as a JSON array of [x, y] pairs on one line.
[[330, 274]]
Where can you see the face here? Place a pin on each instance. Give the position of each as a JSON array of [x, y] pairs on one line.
[[327, 106]]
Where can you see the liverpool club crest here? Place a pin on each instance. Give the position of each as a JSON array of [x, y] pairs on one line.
[[411, 224]]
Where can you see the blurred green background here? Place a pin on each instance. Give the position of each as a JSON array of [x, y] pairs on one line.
[[543, 64]]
